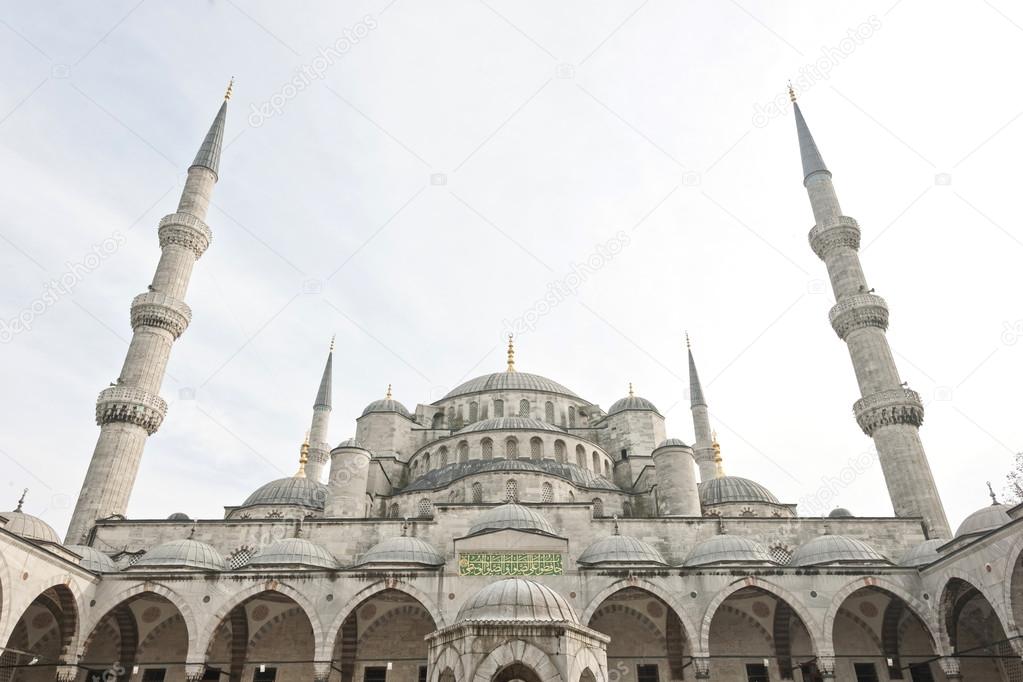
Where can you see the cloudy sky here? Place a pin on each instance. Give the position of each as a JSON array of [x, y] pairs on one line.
[[415, 177]]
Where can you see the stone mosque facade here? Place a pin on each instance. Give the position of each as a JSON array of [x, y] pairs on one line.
[[512, 530]]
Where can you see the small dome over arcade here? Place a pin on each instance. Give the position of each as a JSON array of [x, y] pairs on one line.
[[401, 550], [621, 549], [840, 513], [510, 424], [734, 489], [93, 559], [727, 549], [388, 404], [924, 553], [983, 520], [178, 516], [835, 549], [28, 526], [293, 552], [516, 599], [182, 554], [631, 402], [511, 515], [294, 490]]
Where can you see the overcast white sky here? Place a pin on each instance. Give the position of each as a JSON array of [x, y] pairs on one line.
[[554, 127]]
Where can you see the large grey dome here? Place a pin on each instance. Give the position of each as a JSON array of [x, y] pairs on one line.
[[511, 515], [990, 517], [924, 553], [620, 549], [510, 424], [387, 405], [93, 559], [835, 549], [734, 489], [304, 492], [509, 381], [632, 402], [402, 550], [445, 475], [516, 599], [727, 549], [29, 527], [182, 554], [293, 552]]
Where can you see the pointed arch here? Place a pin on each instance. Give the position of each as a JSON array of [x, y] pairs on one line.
[[517, 652], [136, 591], [664, 594], [447, 659], [925, 615]]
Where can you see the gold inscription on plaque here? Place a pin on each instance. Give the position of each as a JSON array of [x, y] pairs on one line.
[[510, 563]]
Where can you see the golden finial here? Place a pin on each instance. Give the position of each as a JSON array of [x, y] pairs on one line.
[[388, 396], [332, 339], [303, 457], [511, 353], [631, 394], [792, 93], [230, 87], [719, 469], [21, 500]]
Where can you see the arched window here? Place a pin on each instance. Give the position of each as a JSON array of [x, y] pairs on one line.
[[425, 508], [511, 490], [747, 512], [571, 415], [607, 469], [395, 511], [535, 448], [598, 507], [240, 557], [511, 448], [596, 463], [438, 420], [451, 416], [483, 411], [498, 408], [627, 509], [477, 493], [546, 493], [474, 411], [426, 462], [559, 451], [487, 446], [571, 496], [548, 412], [453, 496], [442, 454], [580, 456], [523, 408], [463, 452]]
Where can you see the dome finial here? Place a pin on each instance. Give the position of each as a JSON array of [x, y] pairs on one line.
[[617, 529], [631, 394], [303, 456], [388, 396], [21, 500], [404, 527], [511, 353], [990, 491], [792, 93], [719, 468], [230, 88]]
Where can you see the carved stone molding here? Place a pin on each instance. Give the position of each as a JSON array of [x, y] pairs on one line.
[[857, 312], [131, 405], [886, 408], [154, 309], [183, 229], [843, 232]]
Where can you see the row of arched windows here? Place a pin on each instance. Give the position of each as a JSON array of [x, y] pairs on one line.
[[454, 416], [510, 450], [424, 508]]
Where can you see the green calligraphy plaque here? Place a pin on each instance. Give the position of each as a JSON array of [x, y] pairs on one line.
[[510, 563]]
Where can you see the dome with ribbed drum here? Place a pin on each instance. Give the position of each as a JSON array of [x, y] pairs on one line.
[[510, 424], [734, 489], [984, 520], [516, 600], [835, 549], [511, 515], [631, 402], [509, 381], [93, 559], [293, 552], [182, 554], [727, 549], [295, 490], [621, 549], [388, 404], [401, 550], [671, 443], [924, 553]]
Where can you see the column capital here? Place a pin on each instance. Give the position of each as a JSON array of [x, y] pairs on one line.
[[702, 666], [194, 671], [184, 229], [131, 405], [321, 671], [66, 673], [826, 667], [885, 408], [843, 231], [858, 311], [950, 666]]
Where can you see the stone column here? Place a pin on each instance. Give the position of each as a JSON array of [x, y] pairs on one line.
[[349, 477]]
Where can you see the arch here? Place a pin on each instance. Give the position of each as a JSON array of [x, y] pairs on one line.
[[991, 651], [442, 455], [546, 492], [559, 451], [511, 447], [665, 595], [426, 462], [517, 652], [139, 590], [438, 420], [445, 661], [580, 456], [474, 411], [62, 602], [425, 508], [598, 508], [596, 463], [1012, 590], [463, 451], [395, 511], [548, 412], [535, 448], [918, 608], [498, 408], [477, 492], [571, 416], [487, 448]]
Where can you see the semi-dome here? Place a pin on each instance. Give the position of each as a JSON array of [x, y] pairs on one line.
[[182, 554], [511, 515], [510, 424], [573, 473], [734, 489], [28, 526], [672, 443], [387, 405], [727, 549], [516, 599], [981, 521], [840, 513], [509, 381], [924, 553], [620, 549], [178, 516], [401, 550], [293, 552], [835, 549], [93, 559], [632, 402], [295, 490]]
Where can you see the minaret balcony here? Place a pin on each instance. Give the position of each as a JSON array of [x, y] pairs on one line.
[[184, 229], [131, 405], [858, 311], [843, 231], [155, 309], [887, 408]]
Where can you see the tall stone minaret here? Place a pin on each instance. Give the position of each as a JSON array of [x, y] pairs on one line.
[[319, 449], [131, 409], [888, 412], [703, 450]]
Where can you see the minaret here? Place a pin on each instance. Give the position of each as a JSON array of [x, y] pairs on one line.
[[703, 450], [319, 449], [888, 412], [131, 409]]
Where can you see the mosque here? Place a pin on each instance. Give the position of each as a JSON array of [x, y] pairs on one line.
[[513, 530]]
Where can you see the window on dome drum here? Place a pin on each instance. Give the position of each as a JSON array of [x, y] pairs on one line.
[[451, 416], [426, 462], [596, 463], [483, 411], [267, 674], [154, 674], [376, 673], [548, 412], [477, 493], [443, 455], [921, 672], [511, 448], [438, 420], [395, 511], [474, 411], [536, 448], [546, 493], [780, 555], [747, 512], [523, 408], [607, 469], [571, 415], [425, 508], [240, 557], [498, 408], [627, 509], [487, 446], [647, 673], [865, 672], [559, 451], [580, 456], [511, 490], [757, 672], [598, 507], [463, 452]]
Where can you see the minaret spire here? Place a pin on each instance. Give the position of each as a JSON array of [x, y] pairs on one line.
[[131, 409], [511, 353], [318, 448], [887, 411], [703, 451]]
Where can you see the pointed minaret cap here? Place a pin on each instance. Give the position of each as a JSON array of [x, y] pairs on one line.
[[695, 390], [208, 155], [811, 156], [323, 395], [719, 469]]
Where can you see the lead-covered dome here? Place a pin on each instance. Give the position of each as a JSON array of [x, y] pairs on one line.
[[29, 527], [510, 424], [387, 405], [632, 402], [840, 513], [293, 552], [924, 553], [511, 515], [981, 521], [182, 554], [835, 549], [727, 549], [509, 381], [734, 489], [93, 559], [516, 599], [621, 549], [295, 490], [671, 443], [401, 550]]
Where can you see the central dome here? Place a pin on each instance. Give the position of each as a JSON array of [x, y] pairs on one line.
[[509, 381], [516, 599], [511, 515], [510, 424]]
